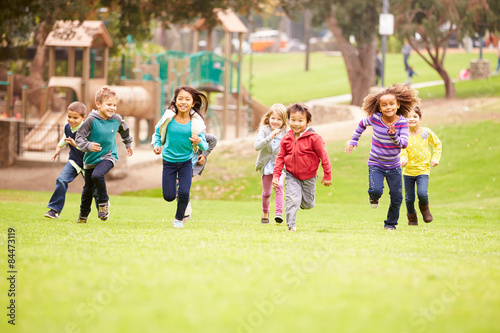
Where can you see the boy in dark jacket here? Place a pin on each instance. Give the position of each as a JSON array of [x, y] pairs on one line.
[[77, 112], [300, 152]]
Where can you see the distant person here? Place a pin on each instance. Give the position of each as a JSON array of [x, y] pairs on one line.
[[386, 114], [199, 161], [178, 135], [464, 74], [96, 138], [77, 112], [423, 152], [406, 50], [300, 153], [378, 67], [498, 56], [411, 73], [272, 129]]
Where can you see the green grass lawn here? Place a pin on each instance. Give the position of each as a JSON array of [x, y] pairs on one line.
[[225, 272], [281, 77]]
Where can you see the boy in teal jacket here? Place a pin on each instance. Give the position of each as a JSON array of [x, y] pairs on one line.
[[96, 138]]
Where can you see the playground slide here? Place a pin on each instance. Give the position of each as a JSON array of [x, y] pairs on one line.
[[47, 132], [258, 108]]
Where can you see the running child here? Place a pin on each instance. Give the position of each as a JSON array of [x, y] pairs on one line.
[[96, 138], [300, 153], [77, 112], [423, 152], [386, 114], [272, 129], [178, 135]]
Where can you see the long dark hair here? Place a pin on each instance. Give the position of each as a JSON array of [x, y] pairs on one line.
[[200, 100]]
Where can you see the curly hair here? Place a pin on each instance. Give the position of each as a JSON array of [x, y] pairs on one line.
[[200, 100], [406, 97]]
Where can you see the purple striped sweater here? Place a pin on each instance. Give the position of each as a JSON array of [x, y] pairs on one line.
[[385, 148]]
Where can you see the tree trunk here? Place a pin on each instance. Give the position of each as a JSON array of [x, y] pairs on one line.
[[359, 62], [35, 79], [448, 83]]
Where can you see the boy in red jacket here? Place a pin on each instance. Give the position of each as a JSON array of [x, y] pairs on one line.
[[300, 152]]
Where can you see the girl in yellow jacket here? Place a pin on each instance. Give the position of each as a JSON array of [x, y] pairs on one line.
[[423, 152]]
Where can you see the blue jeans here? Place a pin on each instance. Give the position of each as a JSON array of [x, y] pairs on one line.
[[95, 180], [182, 171], [67, 175], [376, 177], [422, 182]]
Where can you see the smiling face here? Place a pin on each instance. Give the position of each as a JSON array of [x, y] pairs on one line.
[[414, 120], [184, 102], [389, 106], [275, 121], [298, 122], [108, 107], [74, 118]]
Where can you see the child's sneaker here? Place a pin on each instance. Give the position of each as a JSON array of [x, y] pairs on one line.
[[390, 227], [52, 214], [103, 213], [82, 219], [178, 224], [292, 229], [373, 203], [278, 218]]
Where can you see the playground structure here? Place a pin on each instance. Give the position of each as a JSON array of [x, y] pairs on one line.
[[146, 93]]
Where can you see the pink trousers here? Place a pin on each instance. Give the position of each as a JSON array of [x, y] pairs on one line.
[[267, 188]]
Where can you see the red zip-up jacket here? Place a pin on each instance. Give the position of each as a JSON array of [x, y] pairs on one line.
[[301, 157]]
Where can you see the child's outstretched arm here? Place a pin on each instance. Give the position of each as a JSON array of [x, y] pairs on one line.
[[126, 137], [319, 148], [437, 148], [348, 150], [356, 135]]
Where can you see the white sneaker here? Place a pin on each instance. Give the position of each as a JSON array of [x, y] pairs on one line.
[[178, 224], [292, 229], [186, 218]]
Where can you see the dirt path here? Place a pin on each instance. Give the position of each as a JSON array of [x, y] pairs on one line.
[[148, 175]]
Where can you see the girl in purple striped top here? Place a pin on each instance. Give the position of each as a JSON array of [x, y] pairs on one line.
[[386, 111]]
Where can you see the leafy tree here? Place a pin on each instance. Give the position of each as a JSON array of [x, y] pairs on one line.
[[20, 17], [428, 26], [346, 18]]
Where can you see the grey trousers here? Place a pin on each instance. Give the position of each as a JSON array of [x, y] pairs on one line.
[[299, 194]]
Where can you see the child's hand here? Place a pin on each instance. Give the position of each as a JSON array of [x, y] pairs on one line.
[[195, 139], [326, 182], [130, 151], [71, 141], [157, 150], [53, 158], [95, 147], [404, 163], [392, 129], [276, 183], [201, 159], [275, 132], [434, 163], [348, 149]]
